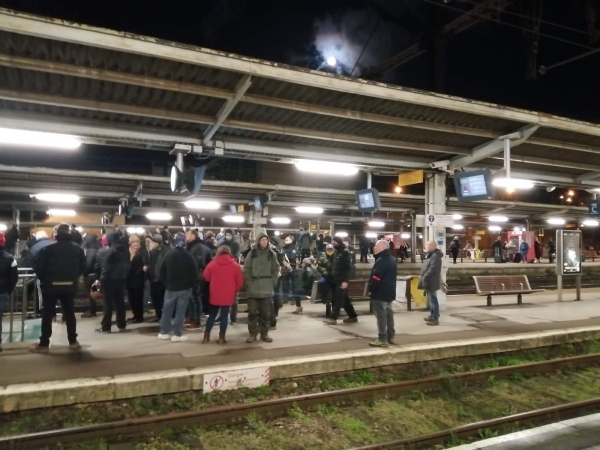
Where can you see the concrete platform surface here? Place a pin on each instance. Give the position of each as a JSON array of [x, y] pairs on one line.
[[138, 350], [582, 433]]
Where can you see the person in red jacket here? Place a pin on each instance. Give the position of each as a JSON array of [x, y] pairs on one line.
[[225, 277]]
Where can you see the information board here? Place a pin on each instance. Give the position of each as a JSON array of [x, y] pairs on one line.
[[473, 186], [568, 252]]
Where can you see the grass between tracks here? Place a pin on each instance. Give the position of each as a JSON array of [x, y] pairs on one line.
[[63, 417]]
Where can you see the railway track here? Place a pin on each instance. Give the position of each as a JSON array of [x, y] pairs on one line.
[[273, 408]]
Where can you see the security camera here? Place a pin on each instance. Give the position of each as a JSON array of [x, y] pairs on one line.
[[440, 164]]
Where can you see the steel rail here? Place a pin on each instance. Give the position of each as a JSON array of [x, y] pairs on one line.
[[270, 408], [537, 416]]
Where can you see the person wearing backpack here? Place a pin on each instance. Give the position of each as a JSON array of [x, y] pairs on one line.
[[261, 273], [524, 249], [288, 275]]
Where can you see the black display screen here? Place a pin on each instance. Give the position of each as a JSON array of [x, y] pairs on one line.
[[368, 200], [473, 186]]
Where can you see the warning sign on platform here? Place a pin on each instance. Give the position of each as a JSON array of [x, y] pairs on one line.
[[408, 178], [235, 379]]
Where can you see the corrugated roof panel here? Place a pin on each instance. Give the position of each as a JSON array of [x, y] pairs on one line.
[[567, 136], [557, 154]]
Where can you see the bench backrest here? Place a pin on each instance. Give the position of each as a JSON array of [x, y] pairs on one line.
[[589, 253], [356, 289], [499, 283]]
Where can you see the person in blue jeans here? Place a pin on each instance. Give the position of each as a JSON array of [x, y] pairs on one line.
[[431, 273], [179, 274], [8, 279]]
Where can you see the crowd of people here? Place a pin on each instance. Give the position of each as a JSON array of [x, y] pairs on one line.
[[189, 275]]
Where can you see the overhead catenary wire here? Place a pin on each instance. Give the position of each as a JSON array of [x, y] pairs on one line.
[[548, 36]]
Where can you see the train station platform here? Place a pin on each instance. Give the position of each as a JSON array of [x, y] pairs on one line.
[[297, 336]]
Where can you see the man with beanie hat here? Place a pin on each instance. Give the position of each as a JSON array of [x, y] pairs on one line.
[[179, 274], [261, 273], [58, 267], [341, 274], [8, 279]]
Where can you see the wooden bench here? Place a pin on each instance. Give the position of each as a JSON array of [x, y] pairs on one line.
[[485, 254], [589, 254], [503, 285], [357, 290]]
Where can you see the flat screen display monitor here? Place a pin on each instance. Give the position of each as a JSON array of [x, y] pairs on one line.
[[368, 200], [473, 186]]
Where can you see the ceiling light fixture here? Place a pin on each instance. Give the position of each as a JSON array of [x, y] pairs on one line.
[[27, 138], [59, 198], [326, 167], [513, 183], [457, 216], [233, 219], [458, 226], [590, 223], [309, 210], [341, 234], [159, 216], [376, 224], [62, 212], [498, 219], [556, 221], [202, 205], [494, 228], [405, 235], [280, 220], [3, 227], [371, 235]]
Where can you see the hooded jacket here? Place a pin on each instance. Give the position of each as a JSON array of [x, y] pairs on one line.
[[382, 283], [233, 245], [154, 262], [261, 271], [9, 274], [59, 266], [324, 265], [341, 271], [201, 253], [291, 253], [114, 264], [226, 279], [91, 246], [36, 249], [431, 271], [178, 270]]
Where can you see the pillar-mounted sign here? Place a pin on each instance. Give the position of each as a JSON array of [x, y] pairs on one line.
[[594, 208]]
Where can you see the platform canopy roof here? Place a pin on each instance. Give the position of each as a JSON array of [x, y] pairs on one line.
[[118, 88]]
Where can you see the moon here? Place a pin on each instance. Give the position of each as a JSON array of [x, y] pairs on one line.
[[331, 61]]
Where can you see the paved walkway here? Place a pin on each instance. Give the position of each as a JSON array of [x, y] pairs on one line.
[[139, 350]]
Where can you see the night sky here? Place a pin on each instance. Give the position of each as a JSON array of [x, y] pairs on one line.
[[486, 62]]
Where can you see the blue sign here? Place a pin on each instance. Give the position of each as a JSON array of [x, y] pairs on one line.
[[594, 208]]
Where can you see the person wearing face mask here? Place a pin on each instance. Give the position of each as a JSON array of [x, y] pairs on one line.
[[135, 280], [341, 274], [229, 241]]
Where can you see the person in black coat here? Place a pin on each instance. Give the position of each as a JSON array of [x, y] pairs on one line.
[[199, 302], [136, 278], [58, 267], [114, 269], [91, 248], [157, 288], [9, 276], [12, 237], [382, 286], [364, 243], [341, 274]]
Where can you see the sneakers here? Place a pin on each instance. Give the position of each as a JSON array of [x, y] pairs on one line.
[[74, 345], [378, 343], [427, 319], [164, 337], [234, 322], [37, 348], [351, 320], [433, 322], [87, 315], [330, 322], [391, 341], [179, 339], [272, 327], [251, 339], [266, 338], [100, 330]]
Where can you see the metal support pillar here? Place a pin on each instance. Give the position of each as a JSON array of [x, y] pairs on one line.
[[179, 161], [369, 180], [413, 239], [578, 288]]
